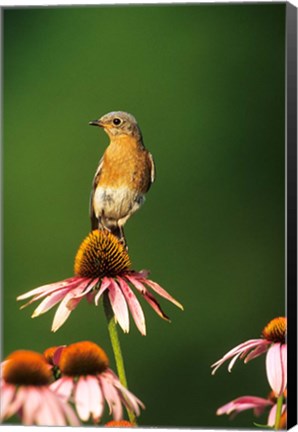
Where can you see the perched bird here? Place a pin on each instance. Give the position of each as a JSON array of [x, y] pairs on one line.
[[124, 174]]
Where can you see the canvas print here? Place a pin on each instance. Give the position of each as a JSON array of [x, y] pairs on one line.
[[144, 216]]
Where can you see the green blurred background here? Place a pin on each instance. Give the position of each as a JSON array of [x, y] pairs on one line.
[[206, 83]]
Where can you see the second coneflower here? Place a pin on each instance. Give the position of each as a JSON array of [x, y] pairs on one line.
[[25, 391], [87, 380], [102, 265], [273, 343]]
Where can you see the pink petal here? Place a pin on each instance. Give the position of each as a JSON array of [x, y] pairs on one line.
[[119, 306], [57, 354], [242, 404], [284, 365], [49, 302], [82, 399], [256, 352], [63, 387], [96, 397], [65, 308], [111, 396], [134, 306], [7, 395], [239, 349], [155, 305], [45, 416], [49, 288], [128, 398], [233, 361], [148, 297], [18, 402], [272, 415], [162, 292], [31, 405], [71, 417], [104, 285], [86, 287], [276, 368], [54, 403]]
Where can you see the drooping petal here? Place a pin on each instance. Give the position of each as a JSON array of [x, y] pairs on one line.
[[276, 368], [128, 398], [7, 394], [112, 397], [272, 414], [49, 302], [119, 306], [148, 297], [104, 285], [65, 308], [244, 403], [17, 402], [151, 300], [71, 417], [31, 405], [233, 361], [96, 397], [54, 405], [49, 288], [162, 292], [86, 287], [63, 387], [134, 306], [284, 363], [256, 352], [45, 415], [239, 349], [82, 399]]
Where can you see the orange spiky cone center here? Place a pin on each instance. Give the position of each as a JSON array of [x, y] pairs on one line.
[[83, 358], [101, 254]]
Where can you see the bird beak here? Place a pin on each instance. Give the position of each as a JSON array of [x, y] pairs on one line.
[[95, 123]]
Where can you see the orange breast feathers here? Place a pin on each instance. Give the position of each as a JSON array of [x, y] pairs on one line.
[[126, 163]]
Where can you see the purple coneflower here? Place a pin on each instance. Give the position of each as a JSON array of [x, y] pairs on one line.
[[25, 391], [274, 344], [102, 265], [87, 380], [258, 405]]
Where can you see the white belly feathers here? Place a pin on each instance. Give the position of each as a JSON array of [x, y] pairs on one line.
[[116, 204]]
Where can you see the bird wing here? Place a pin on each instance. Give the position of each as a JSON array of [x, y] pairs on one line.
[[93, 218]]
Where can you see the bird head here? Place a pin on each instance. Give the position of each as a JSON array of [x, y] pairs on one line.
[[118, 123]]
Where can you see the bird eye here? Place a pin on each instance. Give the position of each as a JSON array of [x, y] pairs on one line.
[[116, 121]]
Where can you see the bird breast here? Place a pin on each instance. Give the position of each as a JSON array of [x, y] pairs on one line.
[[125, 165]]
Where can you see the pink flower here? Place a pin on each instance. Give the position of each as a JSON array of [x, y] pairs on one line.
[[258, 405], [244, 403], [25, 380], [88, 382], [101, 266], [273, 343]]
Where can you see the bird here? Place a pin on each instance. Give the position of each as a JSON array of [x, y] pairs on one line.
[[124, 174]]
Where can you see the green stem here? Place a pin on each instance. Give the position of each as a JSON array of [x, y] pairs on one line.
[[112, 327], [278, 412]]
